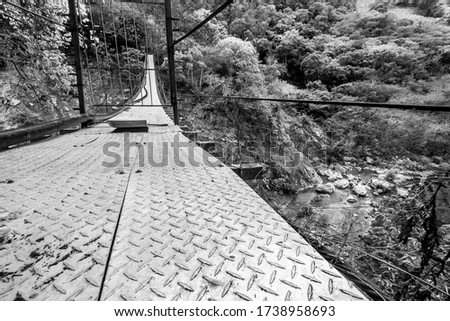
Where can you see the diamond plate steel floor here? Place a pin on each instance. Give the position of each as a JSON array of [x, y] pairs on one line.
[[200, 233], [59, 207], [174, 225]]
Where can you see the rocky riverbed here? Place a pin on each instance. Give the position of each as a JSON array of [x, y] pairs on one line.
[[349, 198]]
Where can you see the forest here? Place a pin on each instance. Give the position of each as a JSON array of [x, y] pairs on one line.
[[395, 164]]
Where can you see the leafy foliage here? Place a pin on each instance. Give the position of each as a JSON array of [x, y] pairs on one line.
[[395, 64], [368, 91], [412, 231], [33, 49], [232, 56], [431, 8], [373, 132]]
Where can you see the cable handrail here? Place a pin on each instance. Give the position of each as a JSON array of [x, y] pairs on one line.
[[439, 108]]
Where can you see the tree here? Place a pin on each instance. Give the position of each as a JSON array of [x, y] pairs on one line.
[[34, 49], [431, 8], [233, 55]]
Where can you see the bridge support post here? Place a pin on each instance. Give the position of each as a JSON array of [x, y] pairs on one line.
[[77, 54], [171, 60]]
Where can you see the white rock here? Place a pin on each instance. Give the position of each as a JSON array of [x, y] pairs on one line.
[[399, 178], [333, 175], [321, 170], [341, 183], [360, 190], [403, 192], [444, 166], [339, 168], [382, 184], [325, 188], [14, 102]]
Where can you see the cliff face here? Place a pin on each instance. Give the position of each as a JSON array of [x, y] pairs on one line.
[[279, 137]]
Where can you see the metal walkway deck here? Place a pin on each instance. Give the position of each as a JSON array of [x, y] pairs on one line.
[[175, 224]]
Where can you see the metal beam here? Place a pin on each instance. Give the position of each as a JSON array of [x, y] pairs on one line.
[[77, 54], [171, 60], [21, 135], [131, 105], [157, 2]]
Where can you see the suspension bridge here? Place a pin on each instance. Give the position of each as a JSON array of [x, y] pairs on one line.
[[129, 208], [77, 230]]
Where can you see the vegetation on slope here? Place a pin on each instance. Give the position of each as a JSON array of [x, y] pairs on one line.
[[35, 76]]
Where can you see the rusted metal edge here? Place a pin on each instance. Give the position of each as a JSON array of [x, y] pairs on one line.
[[20, 135]]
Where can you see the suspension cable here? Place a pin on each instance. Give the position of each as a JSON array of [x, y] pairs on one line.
[[130, 83], [140, 76], [86, 57], [438, 108], [109, 59], [97, 61], [117, 53], [146, 72]]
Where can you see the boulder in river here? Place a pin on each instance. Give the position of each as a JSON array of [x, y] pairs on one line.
[[333, 175], [327, 188], [360, 190], [383, 185], [339, 168], [322, 170], [341, 183]]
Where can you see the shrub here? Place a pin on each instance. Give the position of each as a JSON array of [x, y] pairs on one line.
[[362, 131], [313, 65], [357, 58], [368, 91], [431, 8], [333, 74], [420, 87], [437, 144], [302, 15], [278, 179], [442, 62], [22, 117], [364, 25], [396, 64], [233, 55], [317, 66]]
